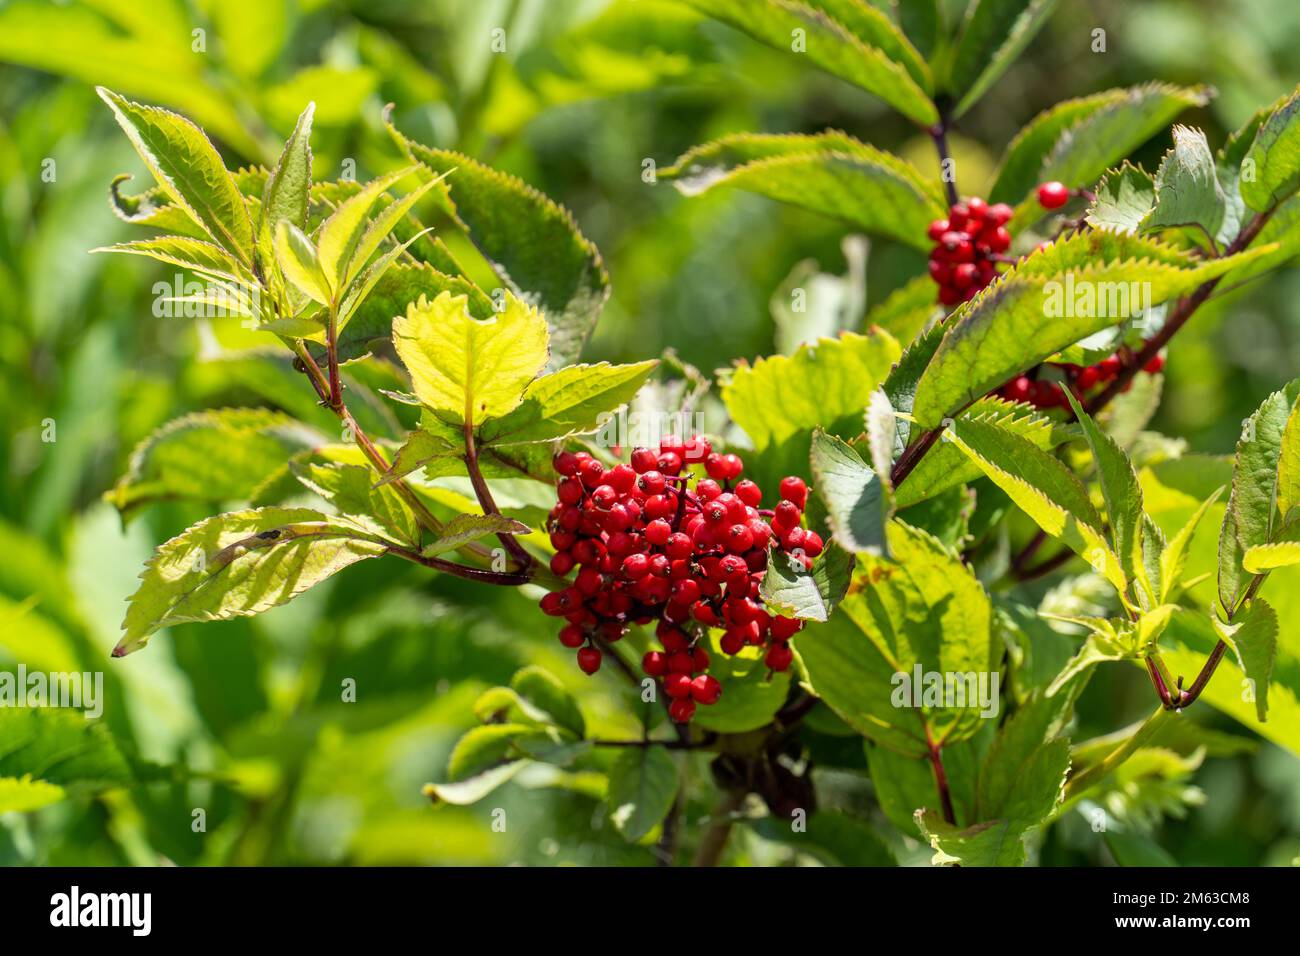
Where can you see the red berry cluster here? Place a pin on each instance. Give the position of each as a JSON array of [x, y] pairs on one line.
[[1079, 378], [655, 541], [967, 242]]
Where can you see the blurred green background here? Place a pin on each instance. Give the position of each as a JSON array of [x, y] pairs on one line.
[[585, 97]]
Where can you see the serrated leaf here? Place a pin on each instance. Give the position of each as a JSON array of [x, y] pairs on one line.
[[1022, 775], [1091, 144], [1253, 635], [1187, 187], [466, 369], [1274, 157], [1173, 559], [1123, 497], [23, 794], [463, 529], [792, 590], [1053, 298], [60, 748], [1044, 489], [642, 787], [993, 843], [1251, 516], [1263, 558], [533, 244], [239, 564], [371, 321], [188, 167], [197, 255], [858, 502], [345, 239], [288, 188], [351, 489], [175, 462], [850, 40], [773, 402], [1059, 142], [831, 173], [993, 34], [571, 401], [924, 611], [299, 261], [1288, 465], [1125, 197]]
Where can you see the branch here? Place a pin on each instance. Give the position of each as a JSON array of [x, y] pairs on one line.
[[940, 778], [1182, 312], [939, 133], [485, 500], [507, 578]]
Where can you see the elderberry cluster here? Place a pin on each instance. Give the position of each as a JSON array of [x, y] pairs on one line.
[[964, 259], [654, 541], [1080, 379]]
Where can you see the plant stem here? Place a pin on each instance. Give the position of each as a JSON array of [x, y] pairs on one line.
[[1182, 312], [1150, 727], [940, 778], [1216, 655], [485, 500], [939, 133], [332, 357], [715, 837], [482, 575]]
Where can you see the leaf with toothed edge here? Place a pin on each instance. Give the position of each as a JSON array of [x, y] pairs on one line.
[[533, 244], [239, 564]]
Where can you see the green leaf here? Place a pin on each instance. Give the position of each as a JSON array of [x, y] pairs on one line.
[[906, 311], [187, 166], [831, 837], [793, 590], [1076, 140], [197, 255], [175, 462], [1123, 497], [1173, 559], [1274, 157], [475, 788], [23, 794], [831, 173], [1288, 465], [1263, 558], [995, 843], [642, 787], [856, 497], [1055, 297], [300, 262], [60, 748], [351, 489], [1187, 187], [924, 610], [750, 698], [1252, 635], [237, 565], [463, 529], [773, 402], [863, 47], [571, 401], [1125, 197], [533, 244], [1042, 487], [544, 693], [1251, 515], [993, 34], [288, 188], [1022, 777], [904, 784], [371, 322], [345, 240], [465, 369]]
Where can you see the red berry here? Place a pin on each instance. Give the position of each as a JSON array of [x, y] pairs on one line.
[[566, 463], [589, 660], [636, 566], [572, 635], [749, 493], [681, 711], [784, 628], [1053, 195], [1155, 365], [643, 460], [706, 689], [779, 657], [1019, 389], [562, 563], [812, 544], [794, 490], [677, 684], [937, 228]]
